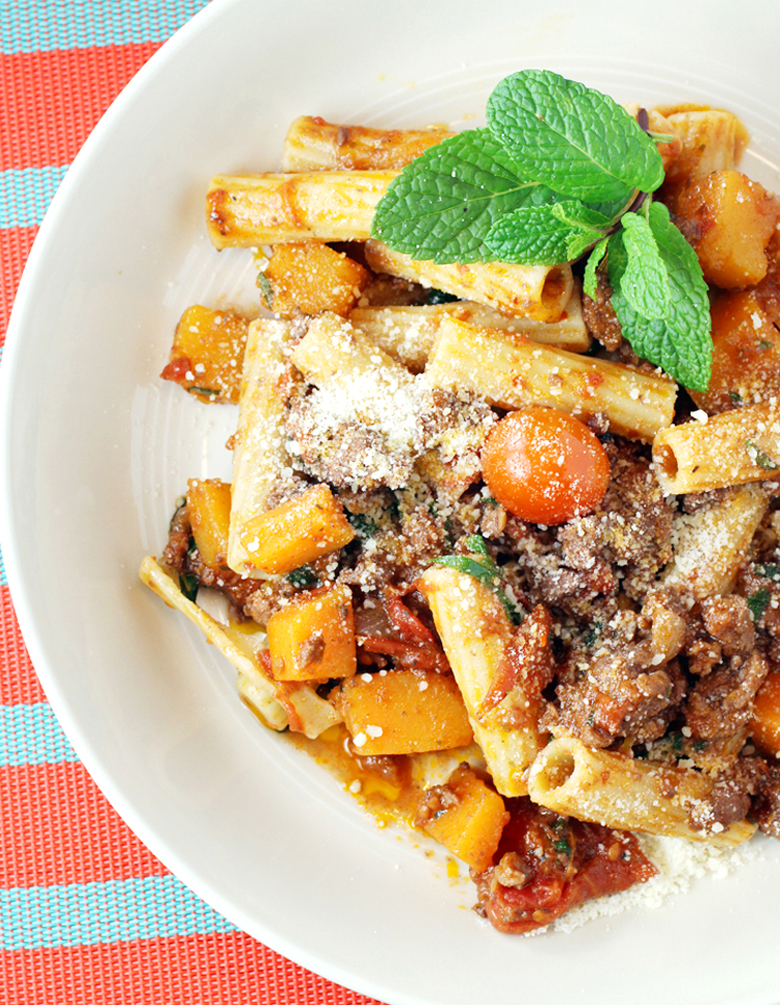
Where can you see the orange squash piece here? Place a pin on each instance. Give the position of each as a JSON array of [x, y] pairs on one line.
[[208, 353], [745, 353], [208, 507], [311, 277], [307, 527], [403, 712], [313, 637], [729, 220], [765, 724], [471, 821]]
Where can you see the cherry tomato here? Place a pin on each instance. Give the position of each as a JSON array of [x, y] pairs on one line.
[[544, 466]]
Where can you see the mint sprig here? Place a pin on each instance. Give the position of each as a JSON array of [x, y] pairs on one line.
[[561, 169], [442, 206], [576, 140], [678, 340]]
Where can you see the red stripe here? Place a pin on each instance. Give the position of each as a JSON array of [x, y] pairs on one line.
[[18, 681], [65, 830], [15, 246], [52, 100], [205, 969]]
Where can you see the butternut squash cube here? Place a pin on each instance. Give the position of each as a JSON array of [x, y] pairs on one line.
[[208, 507], [307, 527], [729, 220], [765, 724], [745, 353], [312, 277], [403, 712], [207, 353], [471, 819], [313, 638]]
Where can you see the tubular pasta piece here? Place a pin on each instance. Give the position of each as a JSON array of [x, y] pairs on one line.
[[334, 349], [259, 454], [408, 334], [732, 448], [312, 144], [534, 291], [248, 210], [235, 649], [621, 792], [474, 632], [510, 371], [710, 545]]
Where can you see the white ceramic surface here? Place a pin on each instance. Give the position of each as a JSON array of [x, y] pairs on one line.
[[95, 450]]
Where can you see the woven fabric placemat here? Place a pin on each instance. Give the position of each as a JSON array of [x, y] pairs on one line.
[[87, 914]]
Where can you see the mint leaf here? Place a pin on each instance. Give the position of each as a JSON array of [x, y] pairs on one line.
[[574, 139], [443, 204], [590, 279], [679, 342], [644, 283], [546, 235]]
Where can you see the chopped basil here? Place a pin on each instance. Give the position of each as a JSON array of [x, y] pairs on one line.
[[758, 602], [188, 584], [302, 577], [768, 571], [758, 457], [264, 285]]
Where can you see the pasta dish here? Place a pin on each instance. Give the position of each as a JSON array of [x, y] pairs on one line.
[[510, 573]]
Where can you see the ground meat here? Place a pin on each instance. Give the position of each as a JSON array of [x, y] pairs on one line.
[[766, 804], [398, 555], [451, 432], [631, 530], [720, 704], [349, 455], [731, 797], [626, 541], [266, 599], [179, 540], [728, 620], [600, 316], [616, 692], [547, 578]]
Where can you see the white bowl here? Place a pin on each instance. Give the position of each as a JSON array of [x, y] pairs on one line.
[[95, 449]]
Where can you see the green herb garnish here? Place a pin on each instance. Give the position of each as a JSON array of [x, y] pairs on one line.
[[759, 458], [481, 566], [559, 170], [188, 584], [302, 577], [264, 285], [758, 602], [767, 571]]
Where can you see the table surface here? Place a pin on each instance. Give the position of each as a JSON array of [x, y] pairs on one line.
[[87, 914]]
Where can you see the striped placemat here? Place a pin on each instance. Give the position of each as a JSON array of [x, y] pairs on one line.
[[87, 914]]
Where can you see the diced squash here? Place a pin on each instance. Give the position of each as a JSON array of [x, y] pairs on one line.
[[765, 724], [471, 822], [313, 637], [311, 277], [307, 527], [207, 353], [746, 353], [404, 712], [208, 507], [729, 220]]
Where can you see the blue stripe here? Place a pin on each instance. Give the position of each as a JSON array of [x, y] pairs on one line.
[[3, 579], [84, 914], [25, 194], [30, 734], [43, 25]]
